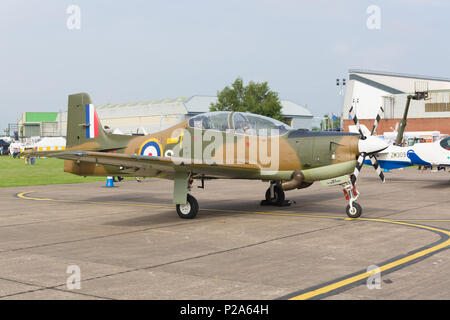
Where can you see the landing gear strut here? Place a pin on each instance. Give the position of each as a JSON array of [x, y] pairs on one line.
[[186, 205], [354, 210], [188, 210]]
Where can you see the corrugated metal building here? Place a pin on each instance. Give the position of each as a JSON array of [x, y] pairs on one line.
[[156, 115], [368, 90]]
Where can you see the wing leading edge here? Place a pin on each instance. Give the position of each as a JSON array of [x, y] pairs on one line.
[[162, 164]]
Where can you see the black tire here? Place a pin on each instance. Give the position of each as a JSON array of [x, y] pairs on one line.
[[278, 195], [189, 210], [356, 212]]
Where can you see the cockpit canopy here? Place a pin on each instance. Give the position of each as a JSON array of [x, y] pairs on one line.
[[445, 143], [240, 122]]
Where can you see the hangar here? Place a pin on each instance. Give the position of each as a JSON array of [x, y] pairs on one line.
[[368, 90], [146, 117]]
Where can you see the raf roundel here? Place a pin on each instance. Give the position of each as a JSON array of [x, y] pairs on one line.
[[151, 147]]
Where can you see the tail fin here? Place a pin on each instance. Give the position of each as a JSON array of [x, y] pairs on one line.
[[83, 124]]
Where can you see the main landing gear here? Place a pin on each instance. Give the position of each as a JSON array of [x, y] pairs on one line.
[[354, 210], [275, 196], [190, 209]]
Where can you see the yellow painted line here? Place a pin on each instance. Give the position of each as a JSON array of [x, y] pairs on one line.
[[327, 288], [290, 213], [424, 220], [23, 195], [396, 263]]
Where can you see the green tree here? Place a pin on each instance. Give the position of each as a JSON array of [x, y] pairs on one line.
[[255, 98]]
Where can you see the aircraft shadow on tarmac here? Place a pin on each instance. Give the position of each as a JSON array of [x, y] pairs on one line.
[[437, 185], [148, 220], [311, 204], [424, 182], [298, 197]]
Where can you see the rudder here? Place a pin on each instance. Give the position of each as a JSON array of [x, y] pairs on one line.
[[83, 124]]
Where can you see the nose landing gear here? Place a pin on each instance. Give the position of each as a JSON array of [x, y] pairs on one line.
[[354, 210]]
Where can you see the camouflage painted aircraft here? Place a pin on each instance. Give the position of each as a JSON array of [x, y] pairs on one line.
[[216, 145]]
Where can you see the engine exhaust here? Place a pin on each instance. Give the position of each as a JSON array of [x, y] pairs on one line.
[[296, 181]]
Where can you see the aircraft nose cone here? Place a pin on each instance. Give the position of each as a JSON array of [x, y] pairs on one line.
[[371, 145]]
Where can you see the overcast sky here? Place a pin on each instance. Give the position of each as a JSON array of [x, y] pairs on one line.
[[143, 50]]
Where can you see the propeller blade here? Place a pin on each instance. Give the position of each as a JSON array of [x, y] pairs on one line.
[[356, 121], [377, 168], [377, 120], [358, 167]]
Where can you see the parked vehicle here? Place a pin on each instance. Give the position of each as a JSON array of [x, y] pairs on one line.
[[4, 147]]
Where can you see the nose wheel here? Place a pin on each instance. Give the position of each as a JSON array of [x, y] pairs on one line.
[[353, 210]]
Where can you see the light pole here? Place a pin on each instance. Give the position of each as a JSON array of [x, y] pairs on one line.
[[341, 87]]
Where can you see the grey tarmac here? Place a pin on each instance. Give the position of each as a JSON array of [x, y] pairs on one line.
[[130, 244]]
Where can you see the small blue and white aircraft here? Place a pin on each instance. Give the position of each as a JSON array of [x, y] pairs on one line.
[[435, 154]]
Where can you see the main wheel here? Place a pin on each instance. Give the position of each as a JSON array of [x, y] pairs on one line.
[[354, 212], [188, 210], [278, 195]]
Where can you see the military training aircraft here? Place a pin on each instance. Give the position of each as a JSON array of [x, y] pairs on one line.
[[218, 145]]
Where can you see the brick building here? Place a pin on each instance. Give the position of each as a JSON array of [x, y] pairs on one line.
[[368, 90]]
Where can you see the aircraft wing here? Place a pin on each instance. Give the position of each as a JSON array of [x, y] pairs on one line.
[[33, 153], [115, 159], [164, 164]]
